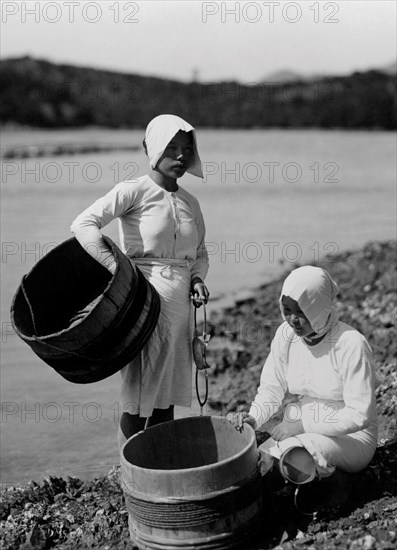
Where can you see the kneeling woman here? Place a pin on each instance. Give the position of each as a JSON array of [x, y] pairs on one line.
[[329, 365]]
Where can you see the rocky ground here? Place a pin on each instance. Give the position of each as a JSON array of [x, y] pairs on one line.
[[359, 513]]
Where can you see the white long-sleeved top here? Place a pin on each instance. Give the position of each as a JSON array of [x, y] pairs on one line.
[[335, 378], [153, 223]]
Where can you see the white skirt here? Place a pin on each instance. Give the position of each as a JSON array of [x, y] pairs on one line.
[[161, 375]]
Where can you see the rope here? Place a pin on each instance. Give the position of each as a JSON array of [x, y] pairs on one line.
[[193, 513], [204, 343], [29, 304], [202, 402]]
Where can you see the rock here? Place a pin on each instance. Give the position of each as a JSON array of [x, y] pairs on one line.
[[368, 542]]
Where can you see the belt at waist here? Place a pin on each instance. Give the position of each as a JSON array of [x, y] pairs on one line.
[[161, 262]]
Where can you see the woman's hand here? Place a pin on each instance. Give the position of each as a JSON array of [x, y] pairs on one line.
[[238, 420], [286, 429], [199, 291]]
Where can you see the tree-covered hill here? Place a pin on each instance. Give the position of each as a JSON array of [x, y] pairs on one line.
[[39, 93]]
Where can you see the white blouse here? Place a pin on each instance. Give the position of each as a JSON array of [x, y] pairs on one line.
[[335, 379], [153, 223]]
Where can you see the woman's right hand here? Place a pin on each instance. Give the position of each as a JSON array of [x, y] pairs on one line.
[[238, 420], [199, 292]]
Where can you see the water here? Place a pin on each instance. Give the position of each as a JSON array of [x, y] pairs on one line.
[[269, 198]]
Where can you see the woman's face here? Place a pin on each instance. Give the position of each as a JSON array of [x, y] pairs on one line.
[[296, 318], [177, 156]]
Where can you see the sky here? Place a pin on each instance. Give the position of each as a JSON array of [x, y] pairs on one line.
[[208, 41]]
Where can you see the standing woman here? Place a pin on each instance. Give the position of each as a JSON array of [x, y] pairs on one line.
[[162, 231]]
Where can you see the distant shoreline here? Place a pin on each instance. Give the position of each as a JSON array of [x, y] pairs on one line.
[[35, 151], [91, 146]]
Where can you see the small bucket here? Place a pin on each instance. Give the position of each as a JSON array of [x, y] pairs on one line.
[[297, 465], [192, 483]]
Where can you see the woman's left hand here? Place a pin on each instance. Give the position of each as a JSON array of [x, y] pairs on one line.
[[238, 419], [199, 291], [286, 429]]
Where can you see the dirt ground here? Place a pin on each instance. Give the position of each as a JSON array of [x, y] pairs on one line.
[[356, 512]]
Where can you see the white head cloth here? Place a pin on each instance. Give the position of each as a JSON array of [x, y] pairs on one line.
[[160, 132], [314, 290]]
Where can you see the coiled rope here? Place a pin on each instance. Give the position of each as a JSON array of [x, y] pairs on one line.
[[192, 513]]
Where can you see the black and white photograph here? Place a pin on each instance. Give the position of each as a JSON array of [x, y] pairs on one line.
[[198, 275]]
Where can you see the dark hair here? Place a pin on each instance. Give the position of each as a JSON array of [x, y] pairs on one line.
[[144, 145]]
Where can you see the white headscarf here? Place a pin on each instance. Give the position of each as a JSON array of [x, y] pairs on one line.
[[159, 133], [314, 290]]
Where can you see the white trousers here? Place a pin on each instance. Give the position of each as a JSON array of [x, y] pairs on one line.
[[350, 453]]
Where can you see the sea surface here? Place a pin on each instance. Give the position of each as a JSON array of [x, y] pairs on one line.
[[270, 199]]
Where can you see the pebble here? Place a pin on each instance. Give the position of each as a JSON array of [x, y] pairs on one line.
[[367, 543]]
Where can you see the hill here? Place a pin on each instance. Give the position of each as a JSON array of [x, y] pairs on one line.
[[39, 93]]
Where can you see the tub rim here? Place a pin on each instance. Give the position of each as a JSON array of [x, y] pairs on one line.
[[251, 443]]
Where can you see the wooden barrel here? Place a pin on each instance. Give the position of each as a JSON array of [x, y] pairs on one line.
[[79, 318], [192, 483]]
